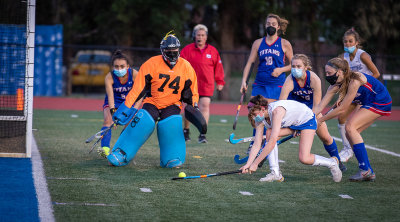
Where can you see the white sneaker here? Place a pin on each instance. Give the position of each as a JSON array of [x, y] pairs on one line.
[[345, 154], [335, 170], [271, 177]]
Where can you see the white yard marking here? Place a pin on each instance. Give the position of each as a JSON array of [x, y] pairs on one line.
[[373, 148], [146, 190], [281, 161], [246, 193], [223, 120], [74, 116], [87, 204], [67, 178], [294, 142], [345, 196]]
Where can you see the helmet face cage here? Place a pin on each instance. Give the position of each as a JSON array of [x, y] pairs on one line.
[[167, 44]]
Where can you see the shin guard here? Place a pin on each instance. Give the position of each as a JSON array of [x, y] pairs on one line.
[[132, 138], [172, 142]]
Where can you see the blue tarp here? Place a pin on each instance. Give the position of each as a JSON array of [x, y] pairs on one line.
[[48, 76]]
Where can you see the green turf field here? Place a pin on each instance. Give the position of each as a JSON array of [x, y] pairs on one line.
[[87, 189]]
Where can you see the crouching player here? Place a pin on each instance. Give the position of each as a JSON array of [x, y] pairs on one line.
[[167, 80], [118, 83], [283, 117]]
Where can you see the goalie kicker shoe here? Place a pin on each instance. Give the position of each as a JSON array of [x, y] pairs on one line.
[[363, 175], [345, 154], [271, 177], [335, 171]]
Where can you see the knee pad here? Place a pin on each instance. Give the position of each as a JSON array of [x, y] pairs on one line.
[[171, 141], [132, 138]]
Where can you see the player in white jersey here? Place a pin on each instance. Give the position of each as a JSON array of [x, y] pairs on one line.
[[359, 61], [284, 117]]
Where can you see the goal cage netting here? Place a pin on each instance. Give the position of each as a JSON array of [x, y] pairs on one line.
[[17, 33]]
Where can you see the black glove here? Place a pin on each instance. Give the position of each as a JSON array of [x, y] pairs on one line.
[[112, 111]]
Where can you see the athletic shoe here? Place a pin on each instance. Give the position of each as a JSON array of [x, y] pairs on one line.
[[363, 175], [335, 171], [202, 138], [345, 154], [104, 151], [271, 177], [186, 134], [342, 167]]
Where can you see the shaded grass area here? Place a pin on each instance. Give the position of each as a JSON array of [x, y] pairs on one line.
[[308, 193]]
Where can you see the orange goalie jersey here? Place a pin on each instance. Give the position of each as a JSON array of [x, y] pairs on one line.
[[165, 84]]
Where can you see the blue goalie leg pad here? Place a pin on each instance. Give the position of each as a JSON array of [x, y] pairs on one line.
[[133, 137], [171, 141]]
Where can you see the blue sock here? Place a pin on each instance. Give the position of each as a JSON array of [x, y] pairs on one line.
[[362, 156], [332, 150], [106, 139]]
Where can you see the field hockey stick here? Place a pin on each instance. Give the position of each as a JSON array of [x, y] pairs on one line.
[[244, 160], [242, 97], [241, 140], [98, 134], [208, 175]]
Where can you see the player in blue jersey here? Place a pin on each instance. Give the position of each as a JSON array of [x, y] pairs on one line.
[[118, 83], [355, 88], [303, 86], [359, 61], [271, 51]]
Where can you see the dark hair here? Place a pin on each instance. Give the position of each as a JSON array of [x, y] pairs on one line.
[[118, 54], [283, 23], [354, 33], [255, 104]]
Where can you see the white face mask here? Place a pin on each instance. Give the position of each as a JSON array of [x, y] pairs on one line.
[[120, 72], [297, 73]]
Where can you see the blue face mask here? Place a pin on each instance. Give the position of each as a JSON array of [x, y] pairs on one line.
[[258, 118], [120, 72], [350, 49], [297, 73]]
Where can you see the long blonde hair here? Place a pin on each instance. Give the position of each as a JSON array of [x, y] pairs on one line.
[[339, 63], [255, 104], [283, 23]]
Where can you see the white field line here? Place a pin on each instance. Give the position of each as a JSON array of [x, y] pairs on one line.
[[373, 148], [246, 193], [39, 179], [69, 178], [87, 204]]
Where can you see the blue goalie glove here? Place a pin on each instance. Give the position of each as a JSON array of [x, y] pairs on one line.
[[123, 114]]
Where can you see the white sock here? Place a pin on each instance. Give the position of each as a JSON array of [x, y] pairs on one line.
[[342, 130], [323, 161], [273, 160]]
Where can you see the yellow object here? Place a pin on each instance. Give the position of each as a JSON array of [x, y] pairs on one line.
[[106, 150], [182, 174]]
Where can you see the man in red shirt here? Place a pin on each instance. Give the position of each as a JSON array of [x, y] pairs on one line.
[[207, 64]]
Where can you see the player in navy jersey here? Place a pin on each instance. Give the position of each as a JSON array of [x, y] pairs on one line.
[[355, 88], [118, 83], [271, 51]]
